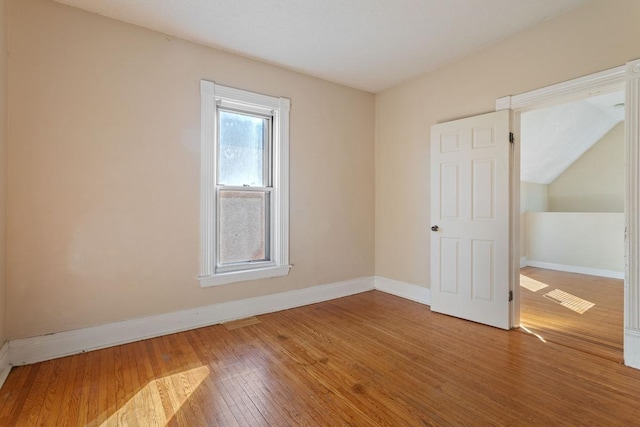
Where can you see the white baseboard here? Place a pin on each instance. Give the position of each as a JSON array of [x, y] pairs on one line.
[[523, 261], [5, 366], [52, 346], [46, 347], [402, 289], [632, 348], [576, 269]]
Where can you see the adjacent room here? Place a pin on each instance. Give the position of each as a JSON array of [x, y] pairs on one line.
[[572, 200], [220, 213]]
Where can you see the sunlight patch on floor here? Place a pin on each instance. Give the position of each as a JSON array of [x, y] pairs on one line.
[[531, 284], [529, 331], [178, 386], [572, 302]]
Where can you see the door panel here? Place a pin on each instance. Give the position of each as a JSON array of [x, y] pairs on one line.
[[470, 205], [450, 255], [482, 260], [483, 189], [450, 177]]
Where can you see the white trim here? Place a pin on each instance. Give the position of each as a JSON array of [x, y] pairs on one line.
[[402, 289], [46, 347], [236, 276], [523, 261], [516, 247], [577, 269], [207, 180], [611, 80], [281, 181], [242, 97], [5, 366], [632, 348], [503, 103], [52, 346], [632, 211], [212, 95]]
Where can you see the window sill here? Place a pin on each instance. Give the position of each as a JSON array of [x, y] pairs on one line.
[[241, 276]]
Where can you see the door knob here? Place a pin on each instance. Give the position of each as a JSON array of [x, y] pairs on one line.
[[434, 228]]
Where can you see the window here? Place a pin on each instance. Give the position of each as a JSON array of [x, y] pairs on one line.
[[244, 185]]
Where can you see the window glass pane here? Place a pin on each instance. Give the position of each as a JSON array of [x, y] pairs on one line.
[[244, 224], [243, 149]]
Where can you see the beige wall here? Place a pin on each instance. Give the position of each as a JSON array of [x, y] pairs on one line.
[[533, 197], [103, 187], [594, 182], [3, 171], [592, 240], [598, 36]]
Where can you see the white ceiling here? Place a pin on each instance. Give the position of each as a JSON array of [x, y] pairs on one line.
[[366, 44], [554, 138]]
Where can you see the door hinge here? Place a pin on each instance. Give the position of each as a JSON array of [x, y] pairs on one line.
[[512, 139], [510, 296]]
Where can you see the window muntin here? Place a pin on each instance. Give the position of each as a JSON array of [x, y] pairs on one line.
[[244, 185]]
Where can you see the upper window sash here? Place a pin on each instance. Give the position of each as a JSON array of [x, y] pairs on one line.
[[265, 149]]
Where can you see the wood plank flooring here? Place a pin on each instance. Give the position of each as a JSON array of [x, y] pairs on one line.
[[599, 330], [370, 359]]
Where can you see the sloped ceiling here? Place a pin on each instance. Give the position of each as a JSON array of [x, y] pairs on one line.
[[555, 137], [366, 44]]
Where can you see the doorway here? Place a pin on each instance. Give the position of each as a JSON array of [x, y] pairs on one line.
[[572, 224], [625, 78]]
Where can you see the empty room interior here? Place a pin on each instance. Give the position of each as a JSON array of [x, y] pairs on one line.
[[363, 213], [572, 227]]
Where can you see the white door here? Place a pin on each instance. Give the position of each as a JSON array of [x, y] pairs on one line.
[[470, 256]]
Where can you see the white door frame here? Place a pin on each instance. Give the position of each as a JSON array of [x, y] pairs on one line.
[[627, 78]]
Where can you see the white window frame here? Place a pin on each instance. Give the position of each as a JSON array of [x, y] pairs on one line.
[[213, 96]]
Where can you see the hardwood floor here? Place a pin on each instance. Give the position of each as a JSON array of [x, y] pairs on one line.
[[371, 359], [599, 330]]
